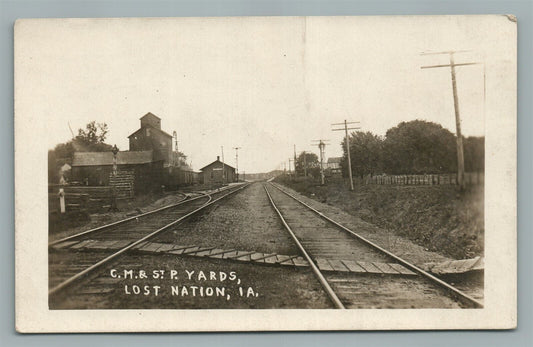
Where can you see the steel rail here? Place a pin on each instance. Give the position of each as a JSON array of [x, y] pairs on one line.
[[91, 268], [336, 301], [465, 298], [100, 228], [119, 222]]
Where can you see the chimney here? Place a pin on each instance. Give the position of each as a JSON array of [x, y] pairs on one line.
[[218, 157]]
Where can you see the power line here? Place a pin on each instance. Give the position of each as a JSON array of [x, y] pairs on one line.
[[294, 164], [460, 150], [347, 145], [295, 161], [223, 168]]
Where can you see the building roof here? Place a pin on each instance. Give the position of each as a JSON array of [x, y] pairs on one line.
[[151, 127], [106, 158], [151, 115], [334, 160], [214, 163]]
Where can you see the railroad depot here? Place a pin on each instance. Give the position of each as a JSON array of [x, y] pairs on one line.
[[218, 172], [151, 163]]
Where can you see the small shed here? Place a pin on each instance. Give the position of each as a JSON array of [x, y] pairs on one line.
[[218, 172]]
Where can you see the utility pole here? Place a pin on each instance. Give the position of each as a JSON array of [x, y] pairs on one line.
[[237, 161], [72, 132], [460, 152], [305, 165], [321, 147], [295, 173], [177, 153], [294, 164], [223, 169], [347, 145]]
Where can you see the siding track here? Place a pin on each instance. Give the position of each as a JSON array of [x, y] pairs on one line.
[[67, 265]]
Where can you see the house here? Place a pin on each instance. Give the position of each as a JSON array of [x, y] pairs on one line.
[[334, 165], [150, 137], [217, 172], [139, 170]]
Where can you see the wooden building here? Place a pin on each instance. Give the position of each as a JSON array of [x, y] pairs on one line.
[[138, 170], [150, 164], [150, 137], [213, 173], [179, 176], [334, 165]]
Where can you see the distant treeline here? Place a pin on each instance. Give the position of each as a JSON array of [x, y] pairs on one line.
[[415, 147]]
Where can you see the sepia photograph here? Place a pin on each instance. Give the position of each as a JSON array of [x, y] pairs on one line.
[[266, 168]]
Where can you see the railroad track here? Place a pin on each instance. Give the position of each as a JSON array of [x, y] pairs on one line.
[[69, 265], [358, 273]]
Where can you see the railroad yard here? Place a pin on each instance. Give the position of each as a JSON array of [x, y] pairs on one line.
[[250, 245]]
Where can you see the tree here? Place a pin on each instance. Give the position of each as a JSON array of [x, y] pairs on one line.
[[365, 154], [90, 139], [179, 159], [311, 163], [419, 147]]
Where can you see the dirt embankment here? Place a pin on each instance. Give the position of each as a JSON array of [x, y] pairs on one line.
[[436, 217]]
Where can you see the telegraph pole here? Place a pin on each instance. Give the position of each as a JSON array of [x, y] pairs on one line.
[[295, 174], [223, 169], [237, 161], [305, 165], [347, 145], [460, 152], [294, 164], [177, 155], [321, 147]]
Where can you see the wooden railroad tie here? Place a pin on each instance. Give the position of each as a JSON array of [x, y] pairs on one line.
[[326, 265]]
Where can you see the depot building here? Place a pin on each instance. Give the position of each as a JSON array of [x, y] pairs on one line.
[[218, 172]]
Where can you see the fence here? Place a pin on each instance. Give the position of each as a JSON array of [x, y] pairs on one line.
[[81, 198], [471, 178]]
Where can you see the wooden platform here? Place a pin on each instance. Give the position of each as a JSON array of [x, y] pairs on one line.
[[326, 265]]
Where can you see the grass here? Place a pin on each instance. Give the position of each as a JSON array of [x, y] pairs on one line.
[[438, 217]]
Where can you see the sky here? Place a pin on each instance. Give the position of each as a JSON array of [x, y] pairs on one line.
[[258, 83]]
